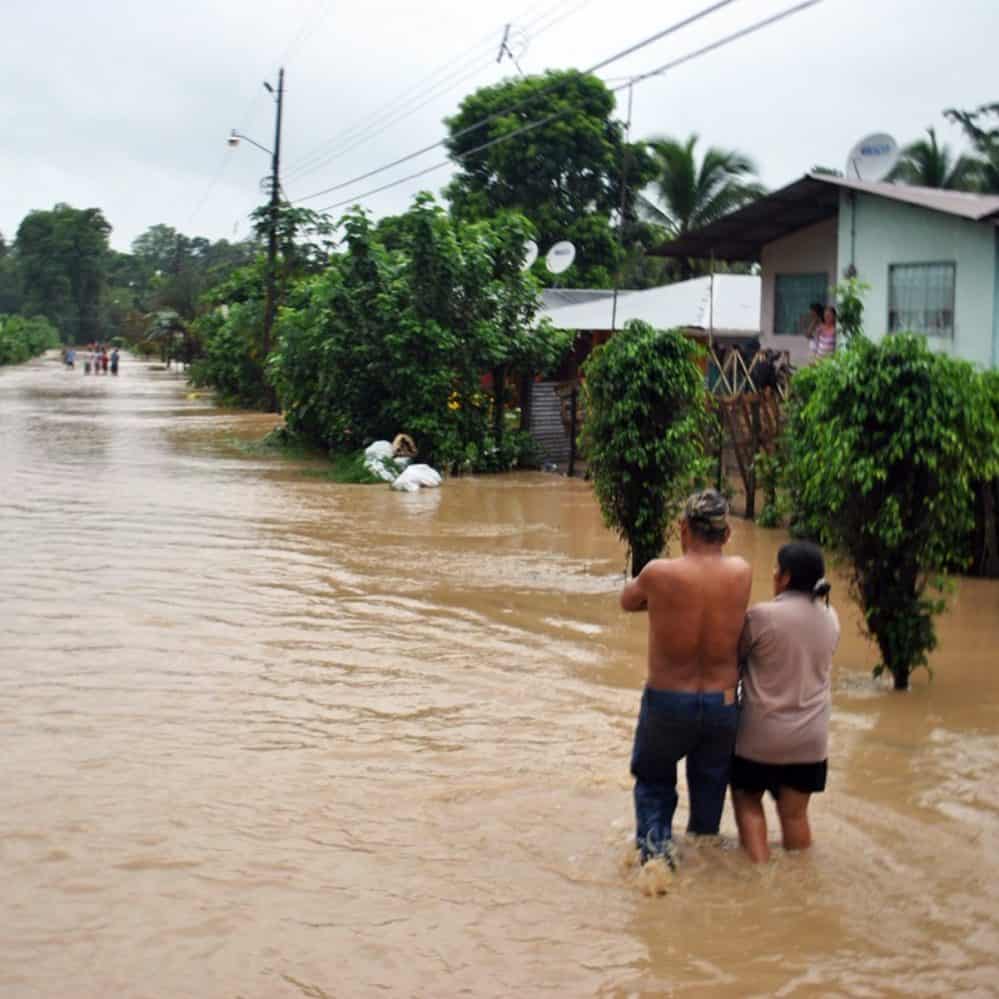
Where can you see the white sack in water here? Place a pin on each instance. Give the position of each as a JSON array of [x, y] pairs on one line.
[[417, 476], [378, 461]]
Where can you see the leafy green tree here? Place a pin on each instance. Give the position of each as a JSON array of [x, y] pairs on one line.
[[981, 126], [229, 328], [692, 194], [884, 442], [564, 174], [10, 282], [927, 163], [306, 239], [62, 258], [850, 306], [170, 271], [229, 334], [389, 340], [643, 433]]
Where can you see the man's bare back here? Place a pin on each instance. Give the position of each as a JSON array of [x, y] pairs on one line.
[[697, 605]]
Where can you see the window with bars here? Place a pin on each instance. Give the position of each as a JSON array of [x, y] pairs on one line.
[[793, 296], [921, 298]]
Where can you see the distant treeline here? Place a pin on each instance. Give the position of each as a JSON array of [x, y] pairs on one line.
[[61, 266]]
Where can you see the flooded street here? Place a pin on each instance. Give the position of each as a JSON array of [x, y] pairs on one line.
[[268, 736]]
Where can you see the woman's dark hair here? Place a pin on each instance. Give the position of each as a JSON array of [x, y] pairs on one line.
[[803, 562], [818, 308]]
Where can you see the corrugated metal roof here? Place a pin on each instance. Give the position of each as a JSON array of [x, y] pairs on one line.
[[686, 304], [965, 204], [742, 234], [558, 298]]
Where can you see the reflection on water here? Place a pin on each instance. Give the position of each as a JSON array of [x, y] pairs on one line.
[[269, 736]]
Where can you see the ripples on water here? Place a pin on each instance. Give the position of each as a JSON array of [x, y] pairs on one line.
[[269, 736]]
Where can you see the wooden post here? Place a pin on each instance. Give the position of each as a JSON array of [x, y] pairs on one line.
[[728, 409], [720, 472], [572, 431], [499, 398], [754, 448], [526, 400]]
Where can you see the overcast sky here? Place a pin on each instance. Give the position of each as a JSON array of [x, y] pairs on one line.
[[125, 104]]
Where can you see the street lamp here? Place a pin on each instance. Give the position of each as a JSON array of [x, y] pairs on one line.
[[235, 136], [274, 206]]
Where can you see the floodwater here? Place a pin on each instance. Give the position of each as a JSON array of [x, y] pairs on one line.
[[267, 736]]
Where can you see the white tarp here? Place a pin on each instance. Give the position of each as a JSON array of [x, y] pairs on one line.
[[380, 460], [735, 308], [416, 477]]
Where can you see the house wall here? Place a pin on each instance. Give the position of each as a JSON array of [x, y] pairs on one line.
[[811, 250], [884, 232], [995, 307]]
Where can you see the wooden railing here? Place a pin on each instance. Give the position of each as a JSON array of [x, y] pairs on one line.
[[734, 376]]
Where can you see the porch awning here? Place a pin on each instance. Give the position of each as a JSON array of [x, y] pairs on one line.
[[742, 235]]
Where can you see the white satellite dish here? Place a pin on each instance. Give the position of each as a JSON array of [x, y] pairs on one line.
[[530, 255], [560, 257], [873, 158]]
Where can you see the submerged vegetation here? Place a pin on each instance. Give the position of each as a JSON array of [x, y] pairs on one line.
[[22, 339]]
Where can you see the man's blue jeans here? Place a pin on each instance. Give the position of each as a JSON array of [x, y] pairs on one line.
[[672, 725]]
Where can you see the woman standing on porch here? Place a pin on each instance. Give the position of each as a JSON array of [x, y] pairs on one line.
[[824, 337]]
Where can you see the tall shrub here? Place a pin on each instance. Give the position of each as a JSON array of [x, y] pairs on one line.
[[643, 434], [884, 442], [985, 541]]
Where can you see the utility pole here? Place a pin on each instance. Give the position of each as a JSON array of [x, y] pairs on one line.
[[275, 205], [505, 50], [624, 202]]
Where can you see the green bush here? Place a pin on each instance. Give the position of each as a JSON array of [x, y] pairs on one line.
[[231, 336], [391, 340], [646, 421], [884, 442], [22, 339]]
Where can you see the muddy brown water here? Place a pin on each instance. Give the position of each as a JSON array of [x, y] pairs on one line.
[[264, 735]]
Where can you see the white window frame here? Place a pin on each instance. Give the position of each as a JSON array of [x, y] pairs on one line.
[[942, 334]]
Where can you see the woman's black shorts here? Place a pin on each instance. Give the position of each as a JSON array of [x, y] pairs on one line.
[[749, 775]]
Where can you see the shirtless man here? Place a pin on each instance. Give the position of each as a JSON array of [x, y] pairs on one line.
[[697, 604]]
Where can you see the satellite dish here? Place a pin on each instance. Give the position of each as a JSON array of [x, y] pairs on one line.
[[560, 257], [530, 255], [873, 158]]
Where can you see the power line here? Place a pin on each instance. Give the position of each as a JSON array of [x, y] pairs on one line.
[[672, 29], [634, 81], [451, 68], [322, 9], [379, 126], [251, 105], [385, 119]]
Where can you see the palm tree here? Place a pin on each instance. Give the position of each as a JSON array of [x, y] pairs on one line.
[[691, 194], [981, 126], [929, 164]]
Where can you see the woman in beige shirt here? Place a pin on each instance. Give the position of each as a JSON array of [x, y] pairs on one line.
[[782, 743]]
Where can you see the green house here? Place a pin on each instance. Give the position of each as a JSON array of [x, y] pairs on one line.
[[931, 258]]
